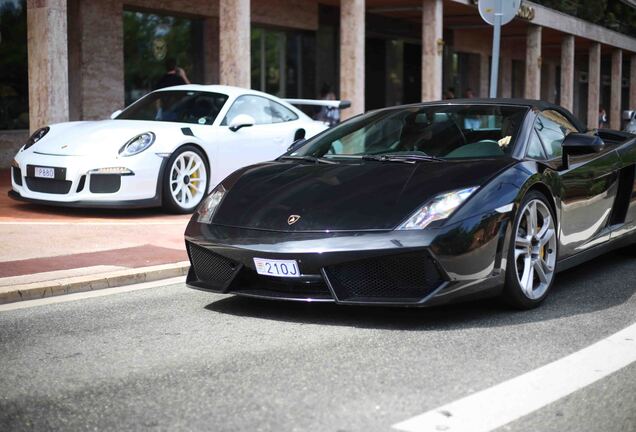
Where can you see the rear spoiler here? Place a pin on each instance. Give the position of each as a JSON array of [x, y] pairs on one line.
[[340, 104]]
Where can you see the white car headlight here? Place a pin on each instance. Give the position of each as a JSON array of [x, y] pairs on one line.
[[138, 144], [208, 207], [37, 136], [438, 208]]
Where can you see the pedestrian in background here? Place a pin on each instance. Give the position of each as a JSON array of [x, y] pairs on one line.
[[602, 118], [174, 75]]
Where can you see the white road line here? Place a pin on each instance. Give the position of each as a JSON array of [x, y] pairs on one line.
[[184, 223], [90, 294], [503, 403]]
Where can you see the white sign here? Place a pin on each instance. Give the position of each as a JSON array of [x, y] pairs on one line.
[[488, 9]]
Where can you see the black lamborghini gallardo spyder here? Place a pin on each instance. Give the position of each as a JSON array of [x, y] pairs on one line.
[[420, 205]]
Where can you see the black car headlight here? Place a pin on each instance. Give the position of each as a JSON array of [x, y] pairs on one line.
[[37, 136], [440, 207], [208, 206], [138, 144]]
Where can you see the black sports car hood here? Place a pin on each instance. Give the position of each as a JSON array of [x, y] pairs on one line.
[[345, 196]]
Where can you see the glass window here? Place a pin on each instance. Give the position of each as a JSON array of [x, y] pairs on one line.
[[552, 128], [176, 106], [263, 110], [150, 40], [14, 81], [437, 131], [535, 149]]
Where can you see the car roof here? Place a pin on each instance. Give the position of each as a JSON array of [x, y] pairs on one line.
[[217, 88]]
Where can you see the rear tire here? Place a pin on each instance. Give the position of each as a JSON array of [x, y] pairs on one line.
[[185, 180], [532, 255]]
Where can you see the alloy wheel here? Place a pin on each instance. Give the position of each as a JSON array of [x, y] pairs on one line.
[[535, 249], [188, 179]]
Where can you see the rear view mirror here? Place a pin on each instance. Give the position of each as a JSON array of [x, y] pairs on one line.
[[241, 121], [580, 144]]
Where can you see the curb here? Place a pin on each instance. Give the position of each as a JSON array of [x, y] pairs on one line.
[[37, 290]]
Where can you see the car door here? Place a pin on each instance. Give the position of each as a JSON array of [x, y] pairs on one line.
[[269, 137], [588, 186]]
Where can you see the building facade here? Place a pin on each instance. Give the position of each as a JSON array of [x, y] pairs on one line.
[[64, 60]]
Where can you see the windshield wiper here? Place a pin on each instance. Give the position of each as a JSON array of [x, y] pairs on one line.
[[411, 158], [308, 158]]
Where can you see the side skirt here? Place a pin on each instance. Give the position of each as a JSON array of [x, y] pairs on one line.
[[596, 251]]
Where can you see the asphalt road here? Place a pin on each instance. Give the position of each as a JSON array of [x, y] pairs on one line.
[[171, 358]]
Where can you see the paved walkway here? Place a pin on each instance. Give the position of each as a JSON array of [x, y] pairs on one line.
[[42, 243]]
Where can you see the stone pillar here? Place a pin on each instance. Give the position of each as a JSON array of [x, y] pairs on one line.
[[352, 32], [211, 50], [101, 58], [616, 88], [632, 83], [48, 62], [593, 85], [533, 63], [567, 73], [484, 75], [505, 80], [234, 43], [432, 49]]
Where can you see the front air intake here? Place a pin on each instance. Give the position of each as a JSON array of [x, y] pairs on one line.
[[393, 278]]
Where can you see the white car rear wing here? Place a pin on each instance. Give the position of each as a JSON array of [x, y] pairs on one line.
[[340, 104]]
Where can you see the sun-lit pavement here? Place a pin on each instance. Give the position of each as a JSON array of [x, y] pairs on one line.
[[43, 242], [171, 358]]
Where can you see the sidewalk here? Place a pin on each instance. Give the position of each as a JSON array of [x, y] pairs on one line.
[[54, 250]]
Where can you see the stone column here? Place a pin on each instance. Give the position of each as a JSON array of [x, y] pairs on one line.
[[211, 50], [505, 81], [432, 49], [101, 57], [234, 43], [567, 72], [593, 85], [484, 75], [632, 83], [616, 88], [533, 63], [352, 32], [48, 62]]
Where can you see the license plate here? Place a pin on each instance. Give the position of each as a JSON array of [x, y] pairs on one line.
[[280, 268], [45, 172]]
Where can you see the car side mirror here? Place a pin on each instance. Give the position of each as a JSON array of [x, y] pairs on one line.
[[115, 114], [296, 144], [580, 144], [241, 121]]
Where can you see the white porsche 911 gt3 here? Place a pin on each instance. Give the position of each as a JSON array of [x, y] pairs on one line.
[[169, 148]]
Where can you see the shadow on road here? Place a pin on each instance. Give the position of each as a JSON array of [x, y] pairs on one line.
[[603, 283]]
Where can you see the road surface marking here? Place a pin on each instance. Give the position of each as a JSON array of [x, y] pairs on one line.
[[90, 294], [508, 401]]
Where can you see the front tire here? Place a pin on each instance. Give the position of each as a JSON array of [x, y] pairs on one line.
[[532, 254], [185, 180]]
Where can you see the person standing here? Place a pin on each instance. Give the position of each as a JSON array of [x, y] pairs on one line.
[[174, 75]]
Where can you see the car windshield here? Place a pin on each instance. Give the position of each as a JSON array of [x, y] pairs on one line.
[[176, 106], [436, 131]]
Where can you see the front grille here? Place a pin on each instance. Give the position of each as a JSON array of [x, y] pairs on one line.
[[211, 268], [59, 187], [105, 183], [17, 175], [410, 276], [248, 281]]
